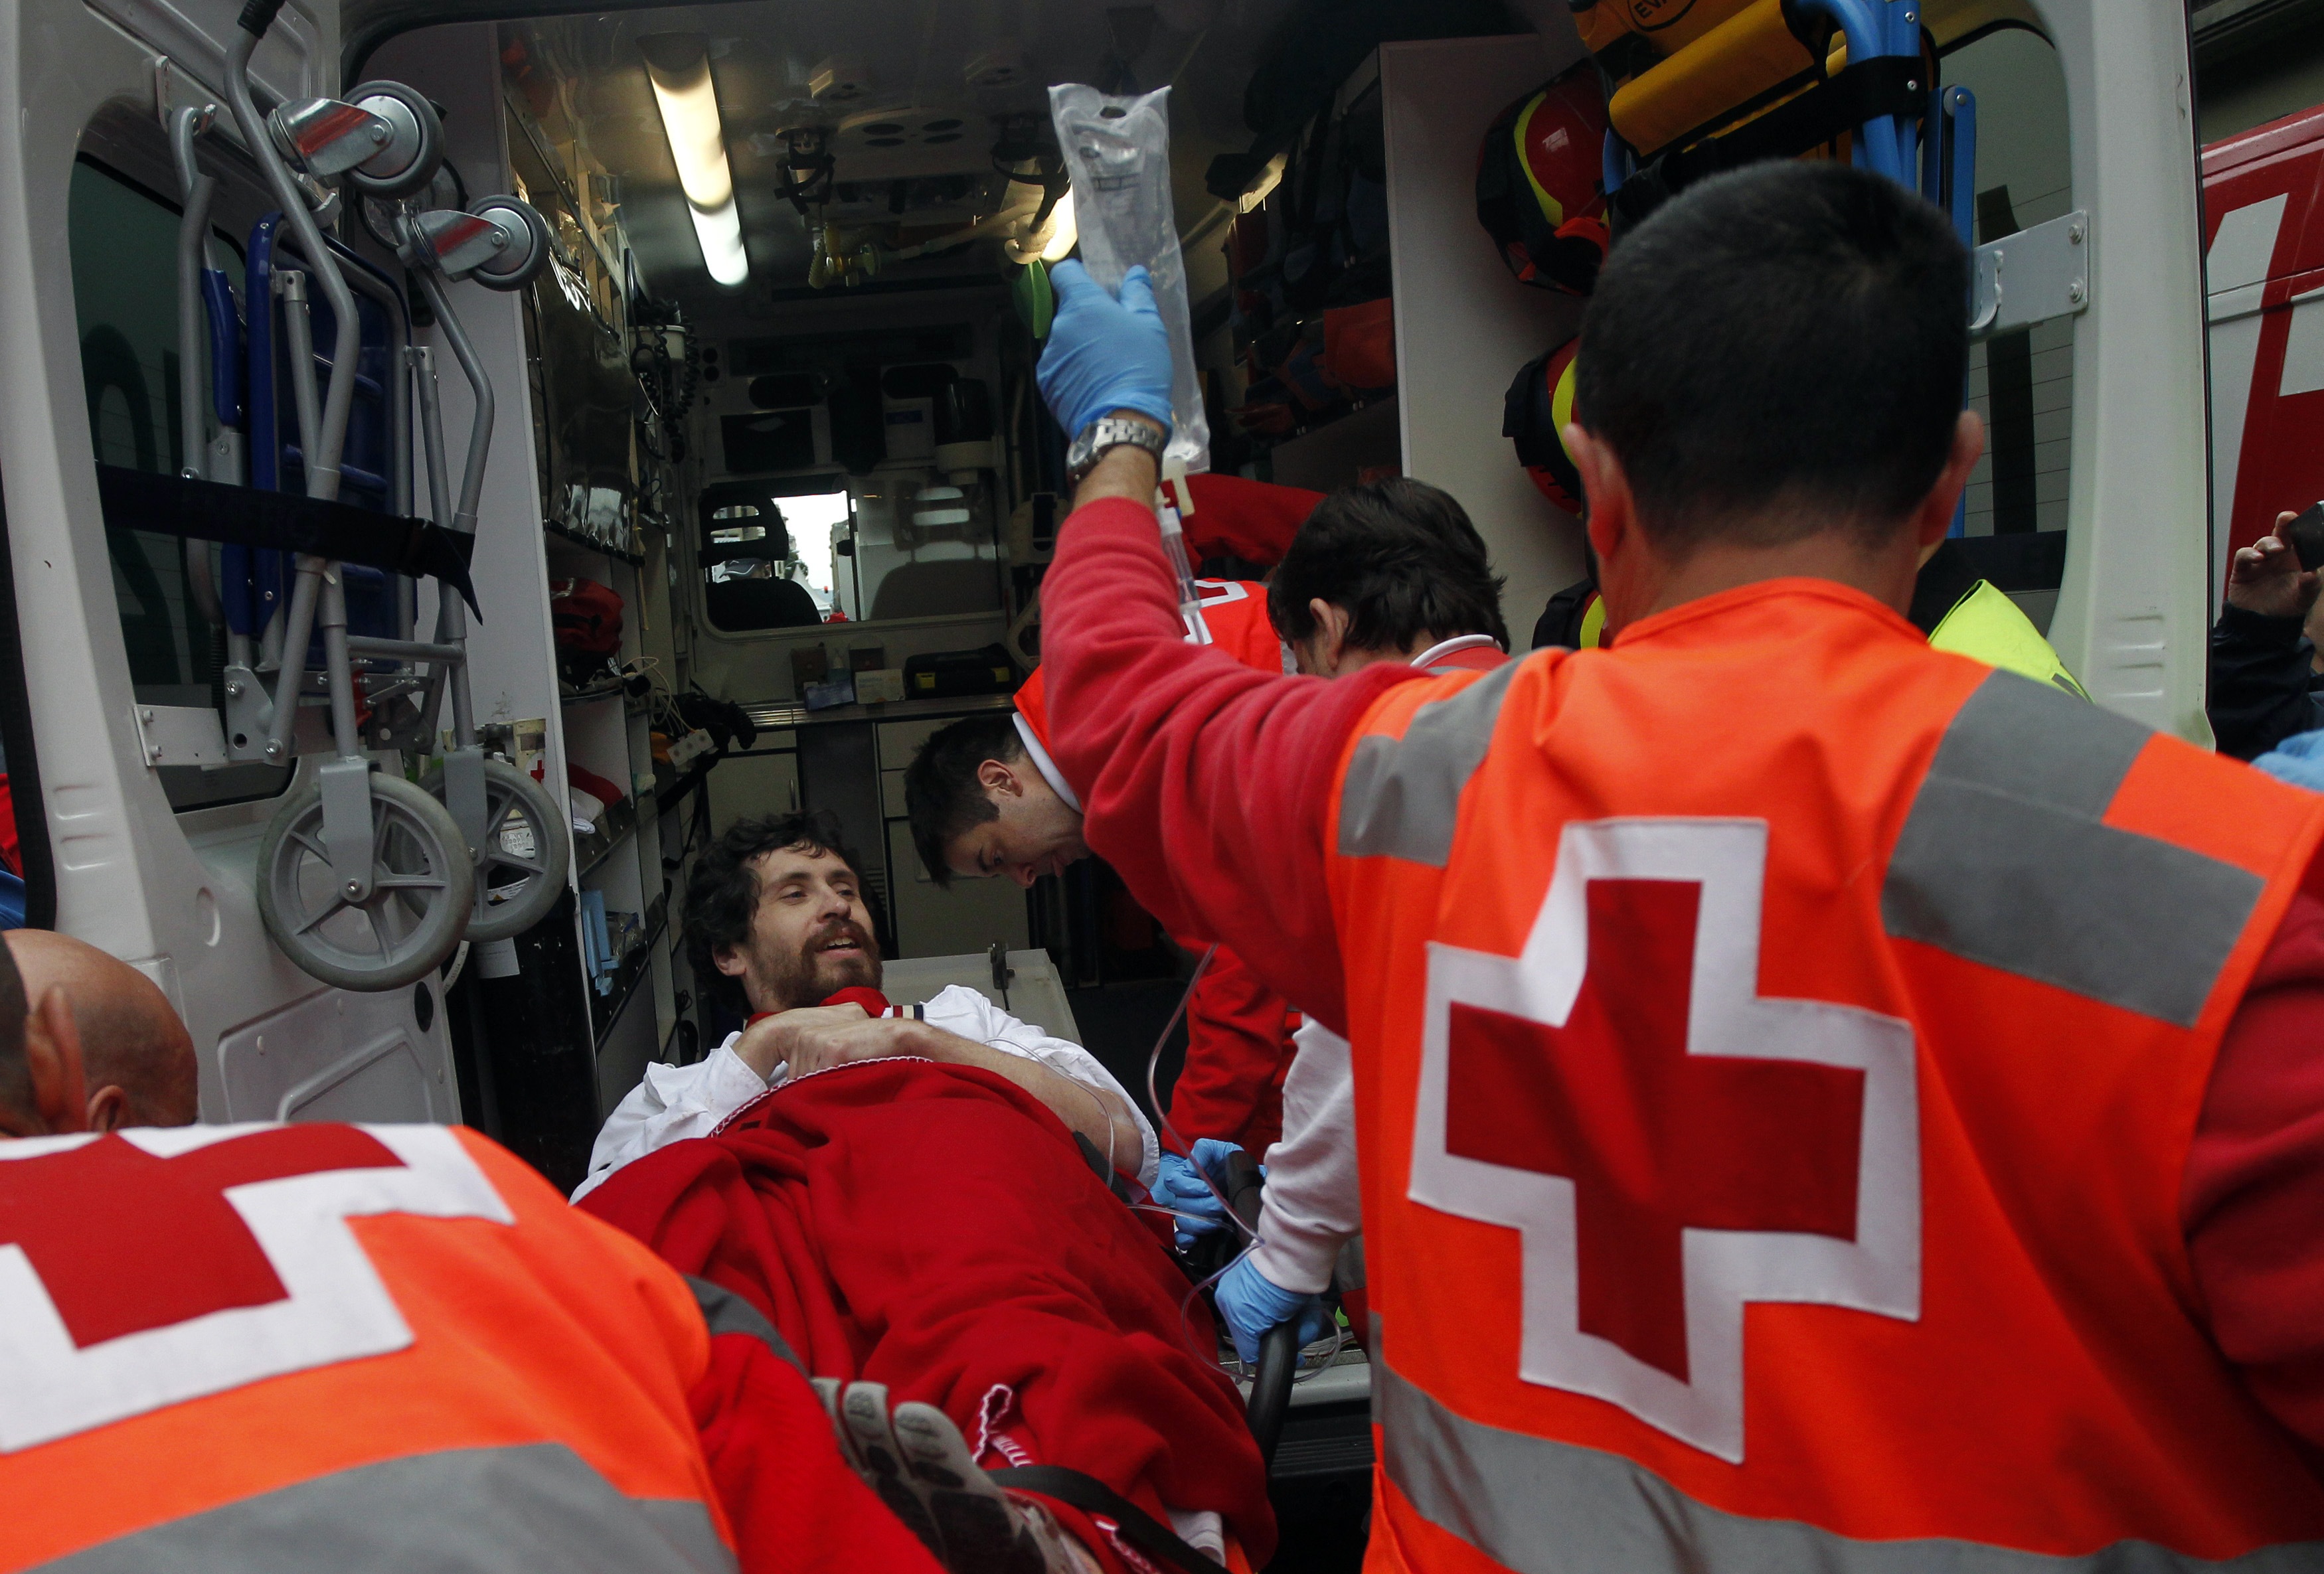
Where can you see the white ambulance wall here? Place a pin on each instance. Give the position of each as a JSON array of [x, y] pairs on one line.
[[1463, 325], [172, 895]]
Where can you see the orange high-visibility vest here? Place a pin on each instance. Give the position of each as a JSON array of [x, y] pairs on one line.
[[381, 1345], [1777, 1046]]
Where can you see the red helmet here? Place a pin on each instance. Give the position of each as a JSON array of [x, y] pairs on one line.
[[1540, 183], [1534, 412]]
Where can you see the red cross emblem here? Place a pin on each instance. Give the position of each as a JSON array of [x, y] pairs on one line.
[[153, 1266], [1669, 1144]]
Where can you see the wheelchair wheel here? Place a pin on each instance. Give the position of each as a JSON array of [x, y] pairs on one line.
[[423, 888], [520, 867], [415, 147]]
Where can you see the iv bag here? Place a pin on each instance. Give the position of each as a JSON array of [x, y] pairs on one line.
[[1117, 152]]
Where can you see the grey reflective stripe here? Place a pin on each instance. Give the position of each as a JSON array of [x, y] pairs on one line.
[[463, 1511], [1402, 795], [2004, 860], [1542, 1507], [727, 1312]]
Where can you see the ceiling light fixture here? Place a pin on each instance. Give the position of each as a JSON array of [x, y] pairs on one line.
[[678, 66]]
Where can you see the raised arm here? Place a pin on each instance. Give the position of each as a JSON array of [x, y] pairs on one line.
[[1205, 784]]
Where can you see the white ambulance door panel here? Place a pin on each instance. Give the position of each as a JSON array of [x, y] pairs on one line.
[[155, 868], [337, 1056], [296, 59], [2133, 614]]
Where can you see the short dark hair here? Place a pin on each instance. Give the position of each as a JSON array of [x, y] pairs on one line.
[[15, 1071], [723, 896], [941, 792], [1780, 348], [1400, 557]]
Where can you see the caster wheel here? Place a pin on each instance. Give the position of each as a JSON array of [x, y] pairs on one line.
[[528, 253], [423, 889], [520, 867], [414, 150]]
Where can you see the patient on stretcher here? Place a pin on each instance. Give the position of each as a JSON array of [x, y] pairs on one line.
[[925, 1207], [775, 918]]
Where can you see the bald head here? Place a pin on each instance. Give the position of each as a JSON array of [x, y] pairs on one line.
[[138, 1058]]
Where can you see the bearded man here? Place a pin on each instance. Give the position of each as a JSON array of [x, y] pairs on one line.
[[775, 918]]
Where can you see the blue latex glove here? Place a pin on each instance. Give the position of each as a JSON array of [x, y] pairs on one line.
[[1180, 1188], [2299, 760], [1251, 1304], [1104, 354]]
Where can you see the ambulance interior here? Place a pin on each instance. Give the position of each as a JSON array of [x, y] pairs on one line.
[[772, 389]]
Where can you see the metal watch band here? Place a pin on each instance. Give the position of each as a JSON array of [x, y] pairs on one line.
[[1091, 444]]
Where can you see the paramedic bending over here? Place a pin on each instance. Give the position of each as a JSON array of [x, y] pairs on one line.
[[1962, 1028], [775, 918]]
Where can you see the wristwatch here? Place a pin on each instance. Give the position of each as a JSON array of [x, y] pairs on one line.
[[1112, 432]]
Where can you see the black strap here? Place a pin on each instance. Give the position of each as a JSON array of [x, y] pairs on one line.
[[1091, 1495], [1103, 1171], [282, 522]]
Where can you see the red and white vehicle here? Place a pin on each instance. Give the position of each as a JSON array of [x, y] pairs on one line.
[[2263, 261]]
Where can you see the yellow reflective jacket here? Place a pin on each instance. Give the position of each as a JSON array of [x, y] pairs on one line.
[[1986, 626]]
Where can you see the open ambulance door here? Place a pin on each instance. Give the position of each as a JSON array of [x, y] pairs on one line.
[[152, 854], [2102, 435]]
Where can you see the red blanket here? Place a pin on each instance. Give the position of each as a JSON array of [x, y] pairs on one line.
[[934, 1227]]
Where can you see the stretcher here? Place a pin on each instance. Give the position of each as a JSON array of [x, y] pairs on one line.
[[1780, 78], [366, 879]]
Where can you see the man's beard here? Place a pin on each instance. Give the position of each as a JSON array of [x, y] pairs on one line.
[[809, 975]]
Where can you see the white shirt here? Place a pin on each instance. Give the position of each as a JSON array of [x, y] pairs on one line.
[[1443, 647], [676, 1102], [1047, 766], [1311, 1206]]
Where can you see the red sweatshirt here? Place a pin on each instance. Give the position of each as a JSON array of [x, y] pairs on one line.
[[1197, 773]]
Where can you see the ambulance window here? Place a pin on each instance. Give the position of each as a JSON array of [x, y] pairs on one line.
[[2023, 382], [125, 241], [766, 558], [866, 454]]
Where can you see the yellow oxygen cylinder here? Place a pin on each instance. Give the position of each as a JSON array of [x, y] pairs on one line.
[[1664, 27], [1731, 64]]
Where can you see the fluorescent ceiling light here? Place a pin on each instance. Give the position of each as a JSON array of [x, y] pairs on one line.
[[1064, 233], [679, 69], [720, 232]]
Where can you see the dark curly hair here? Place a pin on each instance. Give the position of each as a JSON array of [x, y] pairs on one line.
[[723, 897]]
